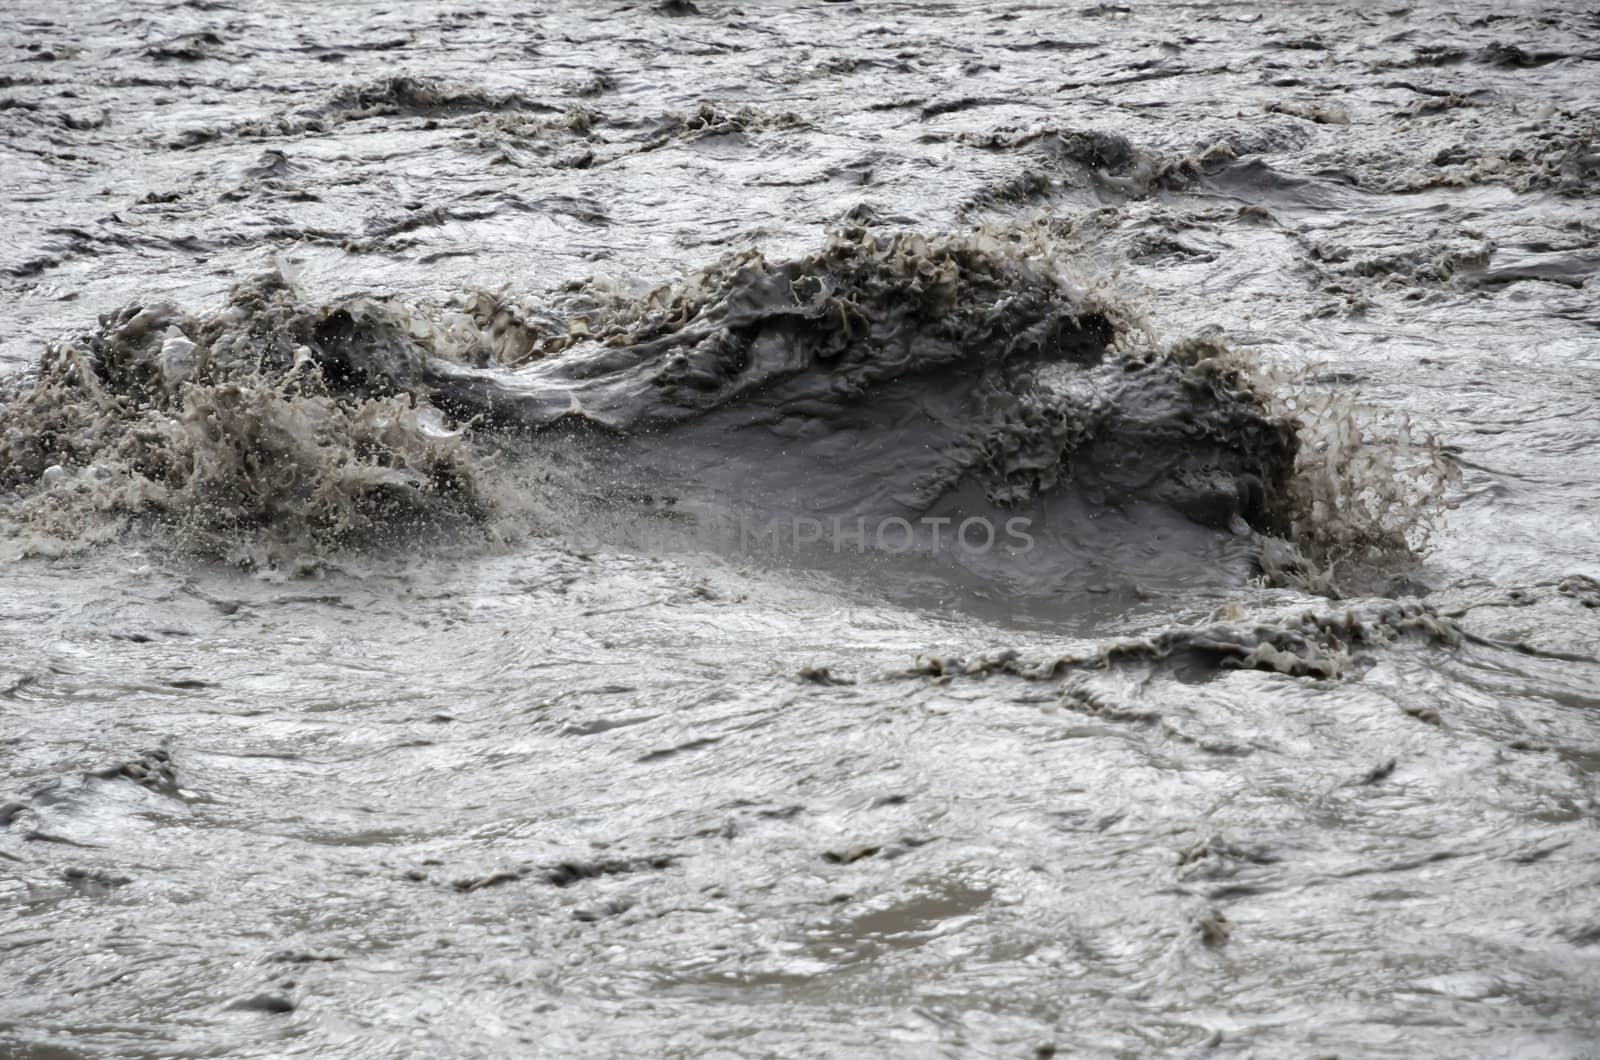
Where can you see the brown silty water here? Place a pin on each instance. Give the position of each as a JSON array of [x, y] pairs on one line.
[[452, 465]]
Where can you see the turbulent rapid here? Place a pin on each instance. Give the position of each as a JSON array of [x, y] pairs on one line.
[[885, 376], [692, 529]]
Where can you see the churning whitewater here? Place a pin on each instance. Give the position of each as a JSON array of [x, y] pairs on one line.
[[820, 529]]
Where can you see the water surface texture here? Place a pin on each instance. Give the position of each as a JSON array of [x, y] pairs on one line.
[[388, 666]]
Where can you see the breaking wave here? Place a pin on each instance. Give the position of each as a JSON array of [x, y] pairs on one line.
[[222, 435], [883, 375]]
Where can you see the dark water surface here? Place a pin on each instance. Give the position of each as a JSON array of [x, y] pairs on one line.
[[561, 767]]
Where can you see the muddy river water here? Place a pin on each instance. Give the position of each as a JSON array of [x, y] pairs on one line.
[[471, 486]]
